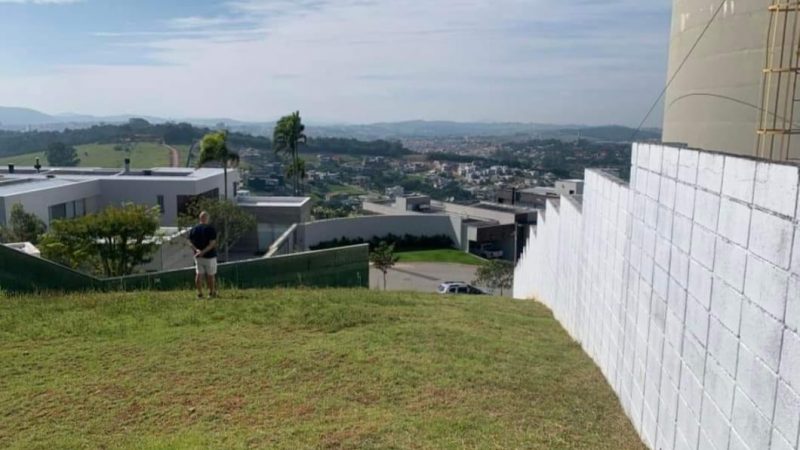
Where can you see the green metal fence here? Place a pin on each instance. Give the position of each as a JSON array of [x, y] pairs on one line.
[[341, 267]]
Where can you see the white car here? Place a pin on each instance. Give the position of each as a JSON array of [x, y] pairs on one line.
[[459, 287]]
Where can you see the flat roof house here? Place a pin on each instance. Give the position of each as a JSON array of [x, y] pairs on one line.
[[58, 193]]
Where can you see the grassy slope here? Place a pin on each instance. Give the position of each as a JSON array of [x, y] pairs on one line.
[[143, 156], [297, 369], [443, 256]]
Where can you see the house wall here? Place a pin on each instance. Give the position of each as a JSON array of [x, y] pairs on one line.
[[38, 202], [684, 287], [313, 233], [145, 191]]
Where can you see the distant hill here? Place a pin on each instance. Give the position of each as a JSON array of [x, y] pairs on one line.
[[11, 116]]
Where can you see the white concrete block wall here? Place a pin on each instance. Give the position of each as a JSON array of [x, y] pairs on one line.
[[684, 288]]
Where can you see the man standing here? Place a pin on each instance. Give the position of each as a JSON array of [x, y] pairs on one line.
[[203, 238]]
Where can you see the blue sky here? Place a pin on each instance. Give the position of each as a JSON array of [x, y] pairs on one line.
[[582, 61]]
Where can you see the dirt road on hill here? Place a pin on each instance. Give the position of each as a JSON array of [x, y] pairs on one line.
[[174, 156]]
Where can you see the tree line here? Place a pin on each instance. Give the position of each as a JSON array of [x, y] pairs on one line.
[[139, 130]]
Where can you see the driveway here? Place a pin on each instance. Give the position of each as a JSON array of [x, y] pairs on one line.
[[421, 277]]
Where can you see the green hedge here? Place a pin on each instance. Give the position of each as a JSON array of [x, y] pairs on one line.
[[341, 267]]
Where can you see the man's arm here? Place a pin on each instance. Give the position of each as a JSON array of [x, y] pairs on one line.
[[211, 246]]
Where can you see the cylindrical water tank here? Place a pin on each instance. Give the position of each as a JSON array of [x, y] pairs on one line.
[[714, 101]]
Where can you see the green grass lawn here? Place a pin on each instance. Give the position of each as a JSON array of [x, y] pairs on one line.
[[143, 155], [297, 369], [443, 256]]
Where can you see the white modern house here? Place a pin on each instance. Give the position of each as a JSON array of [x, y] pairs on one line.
[[57, 193]]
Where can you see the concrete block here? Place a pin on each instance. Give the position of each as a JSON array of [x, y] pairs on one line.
[[643, 155], [719, 386], [726, 305], [653, 186], [749, 423], [681, 442], [666, 196], [776, 187], [706, 209], [663, 251], [761, 334], [658, 314], [700, 283], [757, 381], [734, 221], [736, 442], [779, 442], [730, 261], [793, 304], [697, 321], [649, 427], [638, 202], [687, 165], [651, 213], [771, 238], [796, 252], [766, 286], [688, 424], [703, 242], [679, 267], [714, 425], [723, 346], [694, 355], [646, 269], [665, 218], [655, 158], [682, 233], [684, 199], [790, 360], [671, 364], [669, 162], [739, 178], [709, 172], [787, 413], [649, 241], [668, 406], [660, 282]]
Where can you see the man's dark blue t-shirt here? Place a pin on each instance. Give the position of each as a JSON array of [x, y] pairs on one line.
[[200, 236]]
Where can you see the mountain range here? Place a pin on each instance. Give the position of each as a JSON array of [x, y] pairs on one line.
[[20, 119]]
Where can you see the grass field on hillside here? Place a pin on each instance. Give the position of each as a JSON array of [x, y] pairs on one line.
[[143, 155], [297, 369], [449, 255]]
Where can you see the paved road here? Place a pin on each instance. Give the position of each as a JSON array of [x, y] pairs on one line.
[[421, 277]]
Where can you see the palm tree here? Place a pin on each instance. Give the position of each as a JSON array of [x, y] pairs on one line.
[[214, 147], [287, 137]]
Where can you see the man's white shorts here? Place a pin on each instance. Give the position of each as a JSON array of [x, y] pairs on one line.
[[206, 266]]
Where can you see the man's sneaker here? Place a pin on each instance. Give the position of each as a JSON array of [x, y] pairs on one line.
[[200, 296]]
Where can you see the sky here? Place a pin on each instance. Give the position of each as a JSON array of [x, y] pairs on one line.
[[338, 61]]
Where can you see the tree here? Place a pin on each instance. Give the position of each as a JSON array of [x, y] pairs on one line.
[[236, 221], [383, 258], [112, 242], [61, 155], [495, 274], [214, 147], [289, 133], [23, 226]]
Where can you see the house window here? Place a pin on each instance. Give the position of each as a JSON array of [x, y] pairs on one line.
[[160, 200], [68, 210], [58, 212]]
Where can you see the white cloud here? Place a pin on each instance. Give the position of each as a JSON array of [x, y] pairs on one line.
[[370, 60]]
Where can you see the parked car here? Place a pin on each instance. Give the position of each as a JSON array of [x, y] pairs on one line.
[[490, 251], [459, 287]]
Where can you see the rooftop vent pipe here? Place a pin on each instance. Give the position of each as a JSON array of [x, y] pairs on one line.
[[10, 168], [127, 165]]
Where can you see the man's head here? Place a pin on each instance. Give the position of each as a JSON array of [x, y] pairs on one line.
[[204, 217]]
